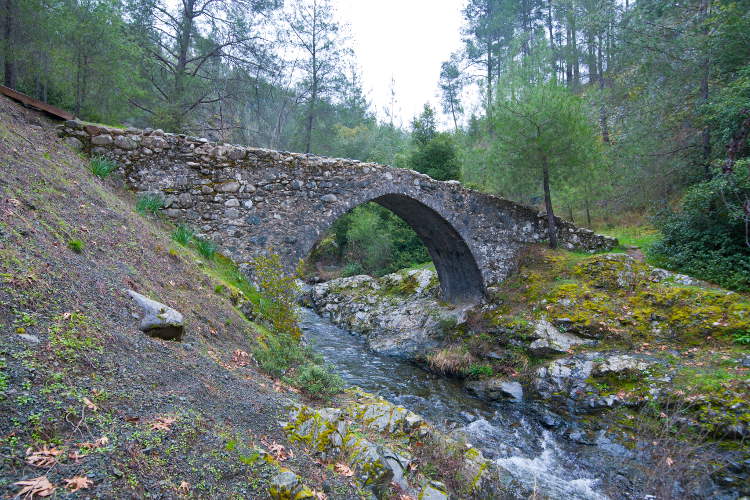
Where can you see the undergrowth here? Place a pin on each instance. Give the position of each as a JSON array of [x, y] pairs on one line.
[[102, 167]]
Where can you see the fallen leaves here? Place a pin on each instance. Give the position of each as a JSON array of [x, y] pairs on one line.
[[319, 495], [162, 423], [78, 483], [343, 469], [45, 457], [89, 404], [240, 358], [184, 488], [99, 443], [38, 486], [279, 452]]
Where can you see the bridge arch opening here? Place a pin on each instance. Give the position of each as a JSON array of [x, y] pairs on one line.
[[459, 275]]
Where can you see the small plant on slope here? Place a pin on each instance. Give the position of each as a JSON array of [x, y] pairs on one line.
[[76, 245], [317, 380], [149, 204], [280, 290], [205, 247], [102, 167], [183, 235]]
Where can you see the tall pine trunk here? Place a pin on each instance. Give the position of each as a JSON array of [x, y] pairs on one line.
[[551, 225], [10, 69]]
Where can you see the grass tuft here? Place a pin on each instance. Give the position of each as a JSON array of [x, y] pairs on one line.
[[183, 235], [76, 245], [149, 204], [205, 247], [102, 167]]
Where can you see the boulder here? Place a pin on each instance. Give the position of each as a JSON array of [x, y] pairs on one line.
[[288, 486], [550, 341], [158, 319], [495, 389], [125, 142], [434, 491], [102, 140], [73, 143]]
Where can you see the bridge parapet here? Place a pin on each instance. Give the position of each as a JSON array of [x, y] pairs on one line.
[[250, 200]]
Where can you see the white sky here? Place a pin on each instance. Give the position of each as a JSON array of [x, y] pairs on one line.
[[406, 40]]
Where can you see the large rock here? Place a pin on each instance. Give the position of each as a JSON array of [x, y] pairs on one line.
[[550, 341], [495, 389], [399, 314], [573, 380], [433, 491], [288, 486], [158, 319]]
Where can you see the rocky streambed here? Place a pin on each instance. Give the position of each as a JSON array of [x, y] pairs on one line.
[[563, 395]]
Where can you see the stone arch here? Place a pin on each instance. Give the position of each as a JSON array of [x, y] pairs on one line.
[[459, 274]]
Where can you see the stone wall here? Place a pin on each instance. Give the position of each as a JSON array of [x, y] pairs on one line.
[[251, 200]]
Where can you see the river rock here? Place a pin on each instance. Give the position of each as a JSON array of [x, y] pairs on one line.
[[495, 389], [550, 341], [158, 319]]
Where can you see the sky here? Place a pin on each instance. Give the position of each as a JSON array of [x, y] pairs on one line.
[[403, 40]]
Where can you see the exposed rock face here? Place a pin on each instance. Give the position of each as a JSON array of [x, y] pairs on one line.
[[399, 314], [550, 340], [377, 465], [158, 320], [572, 380], [475, 239]]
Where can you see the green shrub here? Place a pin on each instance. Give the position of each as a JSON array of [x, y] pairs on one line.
[[277, 354], [742, 338], [76, 245], [102, 167], [205, 247], [183, 235], [149, 204], [279, 291], [353, 269], [707, 237], [478, 371], [317, 381]]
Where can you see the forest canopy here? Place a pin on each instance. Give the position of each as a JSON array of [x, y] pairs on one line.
[[640, 108]]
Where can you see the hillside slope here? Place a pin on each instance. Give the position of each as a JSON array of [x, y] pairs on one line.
[[138, 416]]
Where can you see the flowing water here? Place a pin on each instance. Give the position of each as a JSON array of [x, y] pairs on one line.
[[513, 434]]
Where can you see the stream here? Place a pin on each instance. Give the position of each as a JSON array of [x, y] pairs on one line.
[[517, 435]]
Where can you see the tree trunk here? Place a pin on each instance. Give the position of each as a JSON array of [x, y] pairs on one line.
[[576, 61], [568, 57], [588, 213], [9, 56], [551, 37], [706, 74], [552, 227], [603, 107]]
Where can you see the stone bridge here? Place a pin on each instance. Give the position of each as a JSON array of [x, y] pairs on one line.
[[250, 200]]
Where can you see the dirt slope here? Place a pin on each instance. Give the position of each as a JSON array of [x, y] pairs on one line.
[[94, 387]]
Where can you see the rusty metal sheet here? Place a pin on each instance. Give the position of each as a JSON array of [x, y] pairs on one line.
[[35, 103]]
